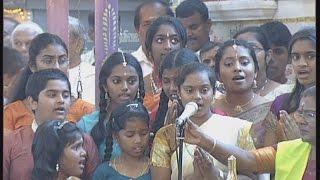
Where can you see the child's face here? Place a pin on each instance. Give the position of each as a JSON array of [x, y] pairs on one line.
[[53, 102], [307, 122], [134, 138], [53, 56], [73, 158], [122, 84], [197, 88], [208, 57], [168, 82]]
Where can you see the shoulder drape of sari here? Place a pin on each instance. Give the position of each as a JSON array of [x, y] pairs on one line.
[[164, 147], [256, 115], [291, 159]]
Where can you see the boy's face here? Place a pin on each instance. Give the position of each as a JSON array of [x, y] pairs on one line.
[[53, 102], [208, 57]]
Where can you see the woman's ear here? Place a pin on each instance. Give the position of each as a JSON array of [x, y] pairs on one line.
[[115, 137], [33, 68]]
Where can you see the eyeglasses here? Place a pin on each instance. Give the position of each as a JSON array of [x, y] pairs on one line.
[[307, 114]]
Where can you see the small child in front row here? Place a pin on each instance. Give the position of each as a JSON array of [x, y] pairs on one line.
[[129, 126]]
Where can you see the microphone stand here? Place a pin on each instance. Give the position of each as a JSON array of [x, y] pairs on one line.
[[180, 137]]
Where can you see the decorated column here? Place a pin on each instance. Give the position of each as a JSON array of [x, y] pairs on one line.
[[57, 18], [106, 35]]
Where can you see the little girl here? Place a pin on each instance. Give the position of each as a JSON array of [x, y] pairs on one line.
[[128, 125]]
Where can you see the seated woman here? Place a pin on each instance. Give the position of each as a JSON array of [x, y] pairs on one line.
[[236, 67], [48, 92], [46, 51], [196, 84], [64, 157], [294, 159], [129, 125], [170, 106], [164, 35], [266, 87], [302, 51], [120, 80]]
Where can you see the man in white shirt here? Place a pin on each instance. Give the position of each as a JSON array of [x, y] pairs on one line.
[[145, 14]]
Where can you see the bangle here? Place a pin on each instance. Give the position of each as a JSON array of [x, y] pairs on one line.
[[214, 146]]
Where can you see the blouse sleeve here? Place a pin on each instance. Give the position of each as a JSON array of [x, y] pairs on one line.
[[161, 151], [244, 139]]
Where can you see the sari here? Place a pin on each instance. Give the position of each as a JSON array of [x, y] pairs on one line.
[[255, 115], [164, 148], [288, 159]]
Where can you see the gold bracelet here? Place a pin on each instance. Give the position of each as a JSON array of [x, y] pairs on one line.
[[214, 146]]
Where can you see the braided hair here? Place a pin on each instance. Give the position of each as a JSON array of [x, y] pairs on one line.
[[175, 59], [122, 114], [99, 130]]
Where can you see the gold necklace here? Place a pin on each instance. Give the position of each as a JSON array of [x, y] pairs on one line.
[[239, 108], [144, 170]]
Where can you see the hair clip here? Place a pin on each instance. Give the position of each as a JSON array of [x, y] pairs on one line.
[[60, 125], [234, 45], [135, 105], [124, 63]]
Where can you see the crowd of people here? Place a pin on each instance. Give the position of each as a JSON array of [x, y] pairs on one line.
[[247, 106]]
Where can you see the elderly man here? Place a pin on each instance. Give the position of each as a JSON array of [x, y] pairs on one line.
[[81, 74], [22, 35]]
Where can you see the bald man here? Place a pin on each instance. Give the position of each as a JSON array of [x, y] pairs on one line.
[[22, 35]]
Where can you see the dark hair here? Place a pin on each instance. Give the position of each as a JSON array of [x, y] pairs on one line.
[[175, 59], [136, 21], [91, 19], [196, 67], [99, 131], [48, 145], [310, 92], [259, 34], [118, 119], [165, 20], [188, 7], [12, 61], [291, 104], [277, 33], [208, 46], [40, 42], [231, 42], [38, 81]]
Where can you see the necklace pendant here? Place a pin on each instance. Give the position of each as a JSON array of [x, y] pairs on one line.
[[238, 108]]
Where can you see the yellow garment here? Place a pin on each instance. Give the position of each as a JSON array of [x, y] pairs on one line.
[[164, 148], [291, 159]]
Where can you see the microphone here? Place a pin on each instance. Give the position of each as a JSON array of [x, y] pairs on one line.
[[190, 109]]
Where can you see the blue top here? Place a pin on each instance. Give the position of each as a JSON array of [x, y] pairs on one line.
[[87, 122], [106, 171]]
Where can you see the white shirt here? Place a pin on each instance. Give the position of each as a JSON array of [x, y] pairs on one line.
[[145, 64], [88, 57], [87, 77]]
